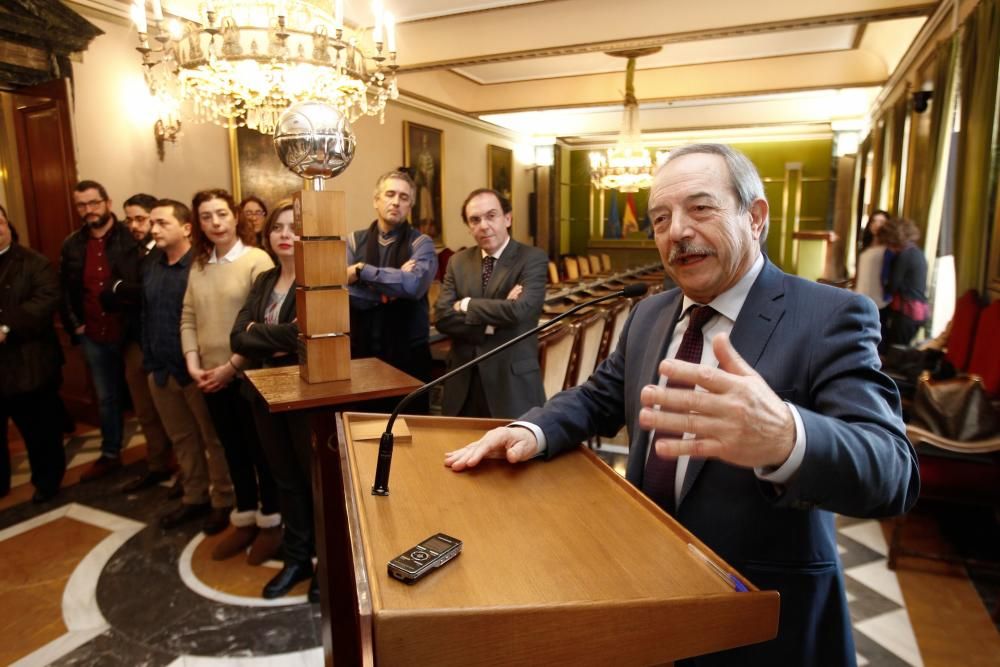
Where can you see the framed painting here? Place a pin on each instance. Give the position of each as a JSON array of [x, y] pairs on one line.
[[500, 170], [257, 169], [423, 154]]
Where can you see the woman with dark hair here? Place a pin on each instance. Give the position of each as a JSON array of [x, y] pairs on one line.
[[30, 363], [224, 268], [875, 221], [266, 332], [253, 210], [906, 283]]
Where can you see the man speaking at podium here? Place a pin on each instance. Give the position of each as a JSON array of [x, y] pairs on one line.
[[790, 419]]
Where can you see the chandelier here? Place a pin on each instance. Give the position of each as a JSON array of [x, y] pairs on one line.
[[627, 167], [242, 62]]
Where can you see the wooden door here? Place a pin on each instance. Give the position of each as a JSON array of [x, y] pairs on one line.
[[42, 130]]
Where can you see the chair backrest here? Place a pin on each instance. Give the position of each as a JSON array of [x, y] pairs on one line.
[[606, 261], [555, 351], [590, 332], [572, 267], [618, 314], [432, 296], [985, 360], [584, 265], [595, 263], [963, 328], [553, 273]]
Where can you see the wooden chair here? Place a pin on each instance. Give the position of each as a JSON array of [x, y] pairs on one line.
[[590, 332], [606, 262], [432, 296], [572, 267], [617, 316], [595, 265], [584, 266], [553, 273], [555, 350]]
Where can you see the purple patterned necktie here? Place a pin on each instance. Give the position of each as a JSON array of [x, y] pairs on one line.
[[658, 478], [488, 263]]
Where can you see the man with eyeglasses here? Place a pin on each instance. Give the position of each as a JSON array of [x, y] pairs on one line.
[[390, 269], [95, 258], [492, 293]]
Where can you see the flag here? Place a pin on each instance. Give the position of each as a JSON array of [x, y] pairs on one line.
[[613, 228], [630, 223]]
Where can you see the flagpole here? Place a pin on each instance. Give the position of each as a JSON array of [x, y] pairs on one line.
[[600, 215]]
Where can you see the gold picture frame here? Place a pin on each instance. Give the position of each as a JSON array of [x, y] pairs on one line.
[[423, 155], [256, 169], [500, 170]]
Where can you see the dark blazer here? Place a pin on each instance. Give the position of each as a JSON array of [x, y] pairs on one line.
[[30, 357], [815, 346], [263, 340], [123, 257], [512, 379]]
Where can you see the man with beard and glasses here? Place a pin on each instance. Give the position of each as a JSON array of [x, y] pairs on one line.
[[94, 259], [754, 402]]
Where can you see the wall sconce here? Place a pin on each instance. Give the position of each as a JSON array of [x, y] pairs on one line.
[[545, 155], [165, 132]]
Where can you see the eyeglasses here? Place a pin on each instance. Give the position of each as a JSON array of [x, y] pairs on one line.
[[85, 205], [254, 214]]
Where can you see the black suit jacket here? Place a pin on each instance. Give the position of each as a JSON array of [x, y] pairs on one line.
[[815, 346], [263, 340], [512, 379]]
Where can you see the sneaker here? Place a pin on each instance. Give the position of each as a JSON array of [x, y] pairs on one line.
[[217, 520], [183, 514], [102, 467]]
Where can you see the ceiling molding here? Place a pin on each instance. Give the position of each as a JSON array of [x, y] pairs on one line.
[[673, 38], [419, 103]]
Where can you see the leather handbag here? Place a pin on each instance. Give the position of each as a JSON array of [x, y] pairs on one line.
[[958, 408]]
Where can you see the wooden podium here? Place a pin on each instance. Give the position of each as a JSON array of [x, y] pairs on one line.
[[564, 562]]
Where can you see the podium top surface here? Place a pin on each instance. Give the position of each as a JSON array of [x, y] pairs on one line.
[[283, 389], [544, 540]]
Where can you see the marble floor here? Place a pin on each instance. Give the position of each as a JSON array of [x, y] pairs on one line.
[[95, 581]]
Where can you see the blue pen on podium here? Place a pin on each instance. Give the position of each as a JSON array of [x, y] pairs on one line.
[[730, 579]]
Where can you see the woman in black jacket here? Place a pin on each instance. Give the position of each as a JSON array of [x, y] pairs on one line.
[[30, 363], [266, 332]]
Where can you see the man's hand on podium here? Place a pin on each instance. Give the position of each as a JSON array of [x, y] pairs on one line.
[[515, 444]]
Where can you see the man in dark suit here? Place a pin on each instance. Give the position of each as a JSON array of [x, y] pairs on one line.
[[791, 419], [492, 293]]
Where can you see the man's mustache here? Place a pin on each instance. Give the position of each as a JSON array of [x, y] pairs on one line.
[[687, 248]]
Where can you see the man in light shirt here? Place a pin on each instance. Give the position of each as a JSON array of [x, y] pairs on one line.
[[790, 420], [492, 292]]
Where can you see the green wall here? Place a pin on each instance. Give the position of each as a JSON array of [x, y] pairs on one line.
[[810, 192]]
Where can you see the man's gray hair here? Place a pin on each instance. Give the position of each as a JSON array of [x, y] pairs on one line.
[[399, 175], [743, 175]]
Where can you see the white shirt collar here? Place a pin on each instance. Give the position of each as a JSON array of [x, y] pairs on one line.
[[150, 244], [234, 254], [499, 252], [9, 246], [730, 302]]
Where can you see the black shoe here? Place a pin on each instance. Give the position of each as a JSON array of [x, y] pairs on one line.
[[217, 521], [151, 478], [183, 514], [43, 496], [314, 589], [291, 574], [176, 491]]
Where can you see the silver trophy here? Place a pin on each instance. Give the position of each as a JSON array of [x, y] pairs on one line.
[[314, 140]]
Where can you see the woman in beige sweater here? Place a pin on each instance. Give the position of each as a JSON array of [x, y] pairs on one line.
[[225, 266]]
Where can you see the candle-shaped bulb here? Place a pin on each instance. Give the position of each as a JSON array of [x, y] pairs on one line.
[[139, 16], [338, 14], [377, 32], [157, 11], [390, 31]]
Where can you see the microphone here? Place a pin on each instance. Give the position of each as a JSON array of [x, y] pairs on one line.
[[381, 485]]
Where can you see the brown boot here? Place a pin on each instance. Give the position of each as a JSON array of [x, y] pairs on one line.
[[266, 546], [235, 541]]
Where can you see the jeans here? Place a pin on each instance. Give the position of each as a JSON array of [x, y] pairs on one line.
[[107, 366]]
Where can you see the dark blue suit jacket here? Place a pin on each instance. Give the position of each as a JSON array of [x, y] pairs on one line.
[[816, 347]]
